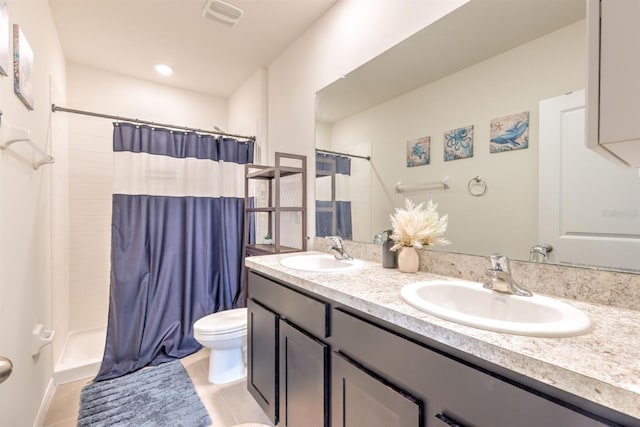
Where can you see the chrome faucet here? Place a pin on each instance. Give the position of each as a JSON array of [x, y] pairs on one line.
[[336, 248], [499, 277], [539, 253]]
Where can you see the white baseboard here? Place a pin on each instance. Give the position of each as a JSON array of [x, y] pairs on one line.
[[44, 405]]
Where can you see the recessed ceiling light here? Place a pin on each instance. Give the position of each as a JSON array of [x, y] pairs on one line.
[[163, 69]]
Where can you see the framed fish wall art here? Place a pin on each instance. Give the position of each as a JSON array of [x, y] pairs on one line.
[[419, 152], [509, 132]]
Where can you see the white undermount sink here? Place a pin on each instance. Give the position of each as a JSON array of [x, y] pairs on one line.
[[470, 304], [321, 263]]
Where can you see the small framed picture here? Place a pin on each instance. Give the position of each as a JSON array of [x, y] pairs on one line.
[[458, 143], [4, 38], [419, 152], [509, 132], [22, 67]]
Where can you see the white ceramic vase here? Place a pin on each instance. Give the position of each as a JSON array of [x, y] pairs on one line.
[[408, 260]]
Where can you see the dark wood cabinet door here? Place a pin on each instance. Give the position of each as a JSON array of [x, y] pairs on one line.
[[454, 393], [262, 357], [361, 400], [303, 379]]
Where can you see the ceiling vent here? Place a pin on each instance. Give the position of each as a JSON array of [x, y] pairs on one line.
[[222, 11]]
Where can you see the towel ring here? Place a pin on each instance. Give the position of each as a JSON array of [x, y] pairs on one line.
[[476, 186]]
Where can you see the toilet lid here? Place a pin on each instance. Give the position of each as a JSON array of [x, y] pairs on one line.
[[222, 322]]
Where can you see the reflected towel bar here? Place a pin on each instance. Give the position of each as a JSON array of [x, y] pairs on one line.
[[443, 184]]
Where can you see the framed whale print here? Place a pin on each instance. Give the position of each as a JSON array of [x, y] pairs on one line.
[[509, 132]]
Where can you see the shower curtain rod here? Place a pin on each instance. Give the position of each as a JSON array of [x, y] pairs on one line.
[[343, 154], [55, 108]]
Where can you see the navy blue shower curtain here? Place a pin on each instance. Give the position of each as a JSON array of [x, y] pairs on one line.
[[324, 162], [174, 257], [343, 219], [339, 165]]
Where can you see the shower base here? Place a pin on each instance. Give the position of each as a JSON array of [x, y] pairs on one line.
[[81, 356]]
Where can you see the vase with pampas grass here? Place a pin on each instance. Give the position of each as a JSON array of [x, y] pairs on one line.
[[413, 228]]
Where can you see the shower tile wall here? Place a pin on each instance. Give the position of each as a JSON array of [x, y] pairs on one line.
[[90, 189]]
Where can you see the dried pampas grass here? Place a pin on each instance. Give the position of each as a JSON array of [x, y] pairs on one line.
[[418, 227]]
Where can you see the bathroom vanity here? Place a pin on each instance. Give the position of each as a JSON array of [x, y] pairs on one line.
[[345, 350]]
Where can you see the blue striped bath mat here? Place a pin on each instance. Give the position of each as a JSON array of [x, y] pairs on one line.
[[160, 396]]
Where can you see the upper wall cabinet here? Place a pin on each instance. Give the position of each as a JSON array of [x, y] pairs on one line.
[[613, 79]]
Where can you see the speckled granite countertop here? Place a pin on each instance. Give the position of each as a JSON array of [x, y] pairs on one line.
[[602, 366]]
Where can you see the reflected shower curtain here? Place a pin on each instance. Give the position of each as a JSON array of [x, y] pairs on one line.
[[176, 243], [324, 225]]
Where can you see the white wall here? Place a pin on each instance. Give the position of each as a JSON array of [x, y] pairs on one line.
[[248, 112], [512, 82], [110, 93], [91, 170], [348, 35], [32, 256]]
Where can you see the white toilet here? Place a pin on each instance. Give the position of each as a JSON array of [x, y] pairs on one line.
[[225, 333]]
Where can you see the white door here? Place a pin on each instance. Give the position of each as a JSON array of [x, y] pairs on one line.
[[589, 207]]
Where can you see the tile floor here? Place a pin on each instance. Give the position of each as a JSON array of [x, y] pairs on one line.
[[227, 404]]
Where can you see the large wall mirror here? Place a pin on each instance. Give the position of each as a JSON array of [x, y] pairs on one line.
[[472, 87]]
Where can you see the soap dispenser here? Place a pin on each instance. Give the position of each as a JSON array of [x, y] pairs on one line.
[[389, 257]]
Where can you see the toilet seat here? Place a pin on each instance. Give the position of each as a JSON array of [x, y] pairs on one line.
[[221, 323], [212, 336]]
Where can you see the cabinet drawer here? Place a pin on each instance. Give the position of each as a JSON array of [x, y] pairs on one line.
[[300, 309], [463, 394]]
